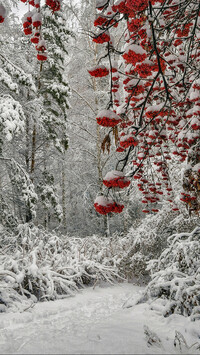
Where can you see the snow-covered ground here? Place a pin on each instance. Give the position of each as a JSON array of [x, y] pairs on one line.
[[95, 321]]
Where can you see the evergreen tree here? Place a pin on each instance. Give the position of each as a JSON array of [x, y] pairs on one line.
[[54, 86], [54, 90]]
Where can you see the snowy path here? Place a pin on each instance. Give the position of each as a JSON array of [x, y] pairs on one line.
[[92, 322]]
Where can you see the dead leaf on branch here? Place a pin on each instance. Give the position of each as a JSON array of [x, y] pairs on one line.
[[105, 145], [115, 134]]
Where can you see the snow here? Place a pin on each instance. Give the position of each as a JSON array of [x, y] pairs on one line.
[[194, 95], [103, 201], [154, 108], [12, 117], [132, 82], [135, 48], [28, 14], [115, 64], [100, 3], [96, 321], [42, 44], [5, 78], [37, 17], [126, 137], [148, 62], [109, 114], [121, 109], [196, 167], [113, 174]]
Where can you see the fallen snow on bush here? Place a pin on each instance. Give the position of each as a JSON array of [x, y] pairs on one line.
[[39, 265], [175, 284]]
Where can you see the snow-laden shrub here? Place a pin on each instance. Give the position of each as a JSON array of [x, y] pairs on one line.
[[11, 299], [147, 240], [40, 265], [176, 276]]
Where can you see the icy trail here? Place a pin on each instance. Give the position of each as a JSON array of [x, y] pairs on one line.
[[92, 322]]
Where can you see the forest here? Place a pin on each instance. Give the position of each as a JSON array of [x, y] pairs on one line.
[[100, 170]]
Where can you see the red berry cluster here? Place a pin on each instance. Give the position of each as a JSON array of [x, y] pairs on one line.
[[54, 5], [107, 122], [120, 6], [128, 141], [104, 205], [134, 54], [117, 208], [137, 5], [98, 71], [32, 21], [100, 20], [116, 179], [186, 197], [102, 37], [108, 118]]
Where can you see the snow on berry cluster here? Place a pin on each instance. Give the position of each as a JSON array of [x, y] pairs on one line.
[[116, 178], [108, 118], [105, 205]]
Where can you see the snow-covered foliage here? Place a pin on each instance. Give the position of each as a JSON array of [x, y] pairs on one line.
[[147, 238], [23, 187], [7, 80], [175, 276], [11, 117], [12, 72], [8, 219], [55, 86], [48, 196], [40, 265]]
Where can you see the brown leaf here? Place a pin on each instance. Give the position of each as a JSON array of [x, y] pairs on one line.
[[106, 143]]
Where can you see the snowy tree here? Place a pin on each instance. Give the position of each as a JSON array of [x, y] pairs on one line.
[[27, 107], [54, 85], [54, 90], [16, 185]]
